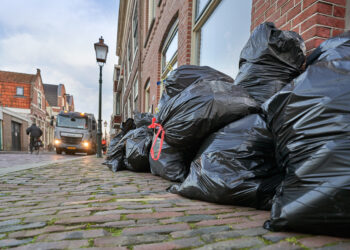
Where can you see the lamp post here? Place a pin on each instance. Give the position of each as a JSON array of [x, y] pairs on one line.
[[105, 124], [101, 57]]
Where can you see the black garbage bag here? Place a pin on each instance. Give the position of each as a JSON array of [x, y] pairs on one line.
[[201, 109], [113, 146], [173, 163], [128, 125], [142, 119], [116, 149], [185, 75], [113, 143], [235, 165], [270, 60], [313, 143], [115, 156], [334, 48], [137, 147], [163, 100]]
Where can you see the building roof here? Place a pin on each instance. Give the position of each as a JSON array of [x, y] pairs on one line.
[[15, 77], [51, 94]]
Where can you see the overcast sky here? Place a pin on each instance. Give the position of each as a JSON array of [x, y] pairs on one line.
[[57, 36]]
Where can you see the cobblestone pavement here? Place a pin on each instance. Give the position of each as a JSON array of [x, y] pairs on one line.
[[11, 162], [81, 204]]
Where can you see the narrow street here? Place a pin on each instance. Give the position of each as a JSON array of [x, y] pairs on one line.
[[81, 204]]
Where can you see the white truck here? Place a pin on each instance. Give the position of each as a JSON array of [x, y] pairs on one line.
[[75, 132]]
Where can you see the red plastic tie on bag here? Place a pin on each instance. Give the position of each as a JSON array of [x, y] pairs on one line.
[[155, 125]]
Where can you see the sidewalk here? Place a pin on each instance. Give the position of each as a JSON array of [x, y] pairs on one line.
[[81, 204], [16, 161]]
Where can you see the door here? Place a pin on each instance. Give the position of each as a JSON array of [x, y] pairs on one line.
[[16, 136]]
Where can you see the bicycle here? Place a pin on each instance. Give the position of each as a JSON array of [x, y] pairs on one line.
[[37, 145]]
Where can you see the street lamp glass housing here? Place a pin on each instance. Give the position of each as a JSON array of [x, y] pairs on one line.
[[101, 51]]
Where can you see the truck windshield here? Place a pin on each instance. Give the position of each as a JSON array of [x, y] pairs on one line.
[[68, 122]]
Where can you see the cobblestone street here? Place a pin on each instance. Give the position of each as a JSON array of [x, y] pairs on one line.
[[81, 204]]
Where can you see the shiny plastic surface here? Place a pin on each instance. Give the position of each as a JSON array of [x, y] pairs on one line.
[[201, 109], [171, 165], [185, 75], [234, 165], [270, 60], [137, 147], [312, 131]]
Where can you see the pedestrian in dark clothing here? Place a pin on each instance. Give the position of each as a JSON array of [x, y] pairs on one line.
[[35, 133]]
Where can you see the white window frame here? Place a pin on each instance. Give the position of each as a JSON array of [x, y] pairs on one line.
[[151, 12], [148, 97], [168, 66], [125, 111], [117, 103], [129, 56], [135, 92], [134, 30], [126, 74], [18, 88], [129, 106], [165, 68], [198, 23]]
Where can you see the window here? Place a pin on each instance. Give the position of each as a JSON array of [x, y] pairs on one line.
[[129, 56], [136, 92], [200, 6], [151, 11], [39, 99], [147, 98], [117, 103], [125, 72], [169, 54], [125, 112], [169, 51], [221, 33], [135, 29], [129, 106], [19, 91]]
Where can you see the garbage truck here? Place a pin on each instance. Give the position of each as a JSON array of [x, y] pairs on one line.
[[75, 132]]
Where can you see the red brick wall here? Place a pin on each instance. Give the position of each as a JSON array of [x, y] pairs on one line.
[[8, 97], [38, 113], [166, 14], [315, 20]]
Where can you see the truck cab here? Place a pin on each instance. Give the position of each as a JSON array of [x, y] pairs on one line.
[[75, 133]]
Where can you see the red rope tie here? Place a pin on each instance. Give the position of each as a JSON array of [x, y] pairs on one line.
[[155, 125]]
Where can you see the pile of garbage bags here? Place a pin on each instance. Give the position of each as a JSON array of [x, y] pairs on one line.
[[202, 105], [275, 138], [130, 148], [310, 122]]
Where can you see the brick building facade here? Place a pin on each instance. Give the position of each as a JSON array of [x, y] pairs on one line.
[[13, 130], [156, 36], [314, 20], [23, 101]]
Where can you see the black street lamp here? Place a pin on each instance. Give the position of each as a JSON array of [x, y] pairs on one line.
[[101, 57]]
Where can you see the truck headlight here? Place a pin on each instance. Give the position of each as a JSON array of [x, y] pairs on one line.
[[57, 142], [86, 144]]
